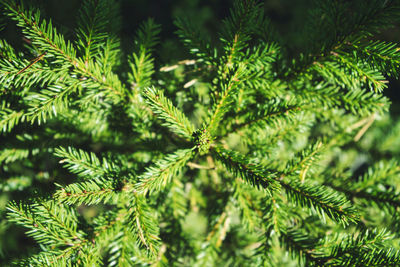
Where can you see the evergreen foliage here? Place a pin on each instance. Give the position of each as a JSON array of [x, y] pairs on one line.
[[241, 154]]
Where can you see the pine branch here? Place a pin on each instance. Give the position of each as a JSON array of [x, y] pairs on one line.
[[173, 117], [157, 176], [248, 93], [109, 59], [260, 62], [381, 172], [334, 74], [365, 248], [40, 32], [303, 162], [389, 198], [343, 27], [385, 199], [197, 43], [49, 224], [20, 72], [93, 28], [49, 102], [256, 175], [106, 227], [358, 71], [317, 198], [141, 63], [44, 35], [84, 164], [322, 200], [355, 101], [11, 154], [274, 221], [237, 29], [374, 186], [228, 92], [270, 113], [142, 69], [377, 16], [7, 52], [299, 244], [147, 36], [144, 224], [45, 259], [250, 212], [122, 249], [90, 192], [384, 56], [10, 118]]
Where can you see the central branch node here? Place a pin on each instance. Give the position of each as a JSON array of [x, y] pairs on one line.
[[203, 140]]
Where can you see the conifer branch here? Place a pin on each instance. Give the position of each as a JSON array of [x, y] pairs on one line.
[[10, 118], [304, 160], [252, 173], [43, 34], [89, 192], [299, 244], [374, 185], [83, 163], [355, 101], [377, 54], [141, 63], [226, 98], [174, 118], [363, 72], [321, 200], [196, 42], [243, 84], [48, 224], [122, 249], [144, 225], [46, 259], [250, 212], [156, 177], [335, 75], [20, 72], [364, 24], [237, 28], [387, 199], [343, 251], [269, 114], [274, 219], [49, 102], [10, 155], [95, 17], [381, 172], [142, 68]]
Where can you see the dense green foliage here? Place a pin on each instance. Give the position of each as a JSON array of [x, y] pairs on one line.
[[244, 153]]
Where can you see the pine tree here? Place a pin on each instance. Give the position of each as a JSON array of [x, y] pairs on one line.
[[242, 154]]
